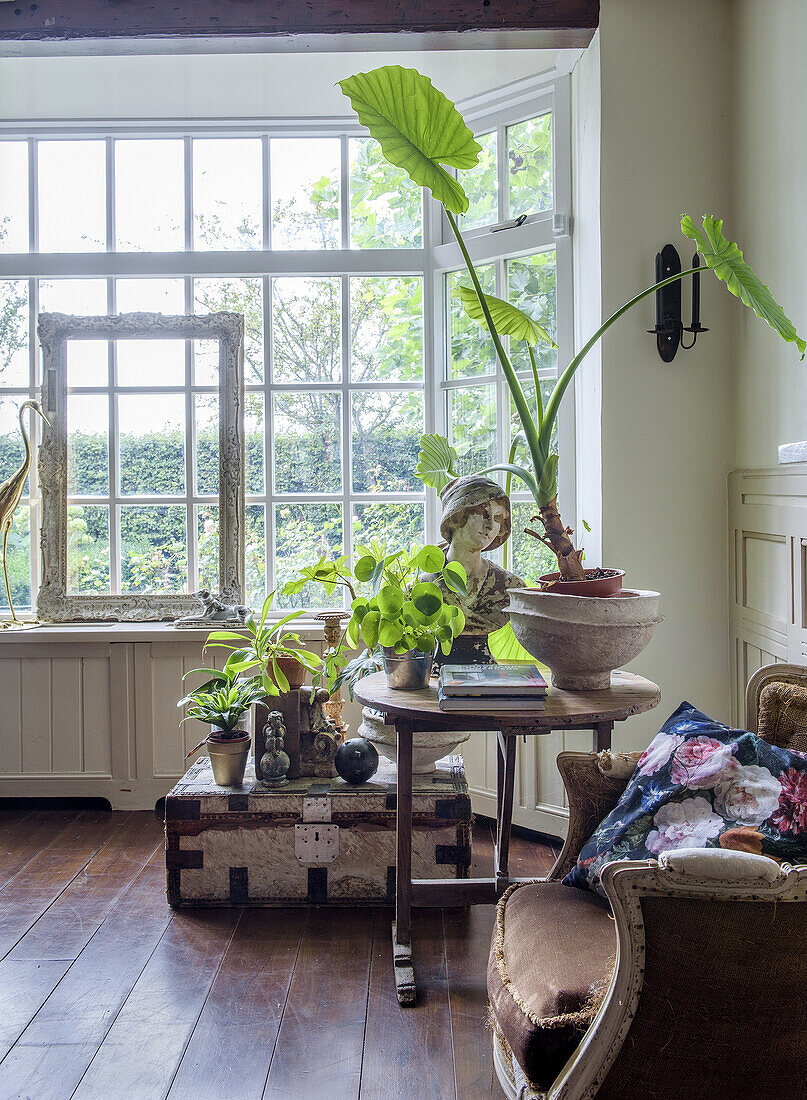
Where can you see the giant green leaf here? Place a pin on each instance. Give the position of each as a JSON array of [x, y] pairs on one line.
[[508, 320], [725, 258], [417, 127], [437, 462]]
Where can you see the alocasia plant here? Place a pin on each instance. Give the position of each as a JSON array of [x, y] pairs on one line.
[[422, 132]]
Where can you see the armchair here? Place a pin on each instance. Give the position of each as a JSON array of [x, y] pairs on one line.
[[689, 981]]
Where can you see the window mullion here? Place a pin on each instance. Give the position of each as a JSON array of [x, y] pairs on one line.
[[347, 421], [269, 429]]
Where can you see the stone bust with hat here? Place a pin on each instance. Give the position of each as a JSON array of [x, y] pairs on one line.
[[475, 519]]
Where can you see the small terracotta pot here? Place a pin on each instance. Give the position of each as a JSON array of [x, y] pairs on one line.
[[228, 758], [599, 586], [294, 671]]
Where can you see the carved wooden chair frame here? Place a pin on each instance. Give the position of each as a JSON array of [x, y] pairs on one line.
[[593, 783], [55, 603]]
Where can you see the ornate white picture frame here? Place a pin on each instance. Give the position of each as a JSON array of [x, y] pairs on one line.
[[55, 603]]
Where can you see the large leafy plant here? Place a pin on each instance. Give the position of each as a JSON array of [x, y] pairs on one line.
[[260, 648], [422, 132]]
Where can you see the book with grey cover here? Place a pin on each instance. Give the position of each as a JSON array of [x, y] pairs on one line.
[[492, 680]]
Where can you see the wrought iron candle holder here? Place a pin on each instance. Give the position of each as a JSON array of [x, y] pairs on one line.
[[669, 328]]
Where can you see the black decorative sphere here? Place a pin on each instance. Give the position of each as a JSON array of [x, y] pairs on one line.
[[356, 760]]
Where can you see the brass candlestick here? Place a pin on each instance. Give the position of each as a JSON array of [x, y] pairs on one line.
[[333, 634]]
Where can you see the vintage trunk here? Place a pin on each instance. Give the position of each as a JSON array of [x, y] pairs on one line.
[[312, 842]]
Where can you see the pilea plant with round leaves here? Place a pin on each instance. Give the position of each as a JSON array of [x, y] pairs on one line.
[[421, 131], [405, 612]]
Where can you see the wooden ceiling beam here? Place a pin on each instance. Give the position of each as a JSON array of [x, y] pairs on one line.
[[554, 23]]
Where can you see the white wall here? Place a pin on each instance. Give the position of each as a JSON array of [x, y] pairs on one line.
[[770, 170], [667, 430], [232, 85]]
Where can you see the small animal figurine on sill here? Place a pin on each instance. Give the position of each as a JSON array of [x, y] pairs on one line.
[[476, 519], [213, 610]]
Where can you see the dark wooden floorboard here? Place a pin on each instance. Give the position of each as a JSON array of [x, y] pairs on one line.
[[407, 1052], [319, 1048], [231, 1049], [105, 991], [141, 1051], [26, 897]]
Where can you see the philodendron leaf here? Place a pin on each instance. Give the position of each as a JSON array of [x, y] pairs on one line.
[[725, 258], [417, 127], [437, 462], [508, 319]]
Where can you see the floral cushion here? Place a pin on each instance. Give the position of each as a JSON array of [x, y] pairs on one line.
[[701, 784]]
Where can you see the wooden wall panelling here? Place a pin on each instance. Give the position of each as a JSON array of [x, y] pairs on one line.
[[97, 724], [10, 715], [36, 716], [67, 713]]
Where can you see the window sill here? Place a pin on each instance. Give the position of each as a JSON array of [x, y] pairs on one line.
[[105, 633]]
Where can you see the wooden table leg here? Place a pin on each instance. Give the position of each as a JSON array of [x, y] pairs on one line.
[[504, 809], [402, 925], [602, 735]]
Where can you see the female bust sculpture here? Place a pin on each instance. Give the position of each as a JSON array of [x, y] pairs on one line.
[[476, 518]]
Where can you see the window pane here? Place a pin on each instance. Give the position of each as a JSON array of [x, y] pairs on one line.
[[84, 297], [529, 155], [307, 447], [254, 437], [238, 296], [87, 363], [471, 350], [532, 286], [11, 448], [150, 296], [18, 560], [472, 427], [150, 196], [303, 534], [386, 427], [482, 186], [207, 547], [227, 193], [72, 196], [152, 444], [531, 559], [14, 196], [88, 548], [88, 445], [207, 444], [255, 539], [386, 208], [13, 332], [522, 452], [394, 525], [154, 548], [306, 330], [205, 359], [386, 325], [151, 362], [305, 193]]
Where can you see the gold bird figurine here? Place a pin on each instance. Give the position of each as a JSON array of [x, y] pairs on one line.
[[11, 491]]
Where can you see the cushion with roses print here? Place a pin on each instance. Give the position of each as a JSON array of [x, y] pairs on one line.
[[701, 784]]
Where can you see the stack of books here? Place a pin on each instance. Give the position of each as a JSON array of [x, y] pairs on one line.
[[506, 689]]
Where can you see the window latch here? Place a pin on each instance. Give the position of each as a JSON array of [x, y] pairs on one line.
[[509, 225]]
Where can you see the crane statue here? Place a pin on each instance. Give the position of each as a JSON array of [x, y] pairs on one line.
[[10, 493]]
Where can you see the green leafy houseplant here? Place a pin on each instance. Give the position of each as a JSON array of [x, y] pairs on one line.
[[405, 613], [422, 132], [263, 648]]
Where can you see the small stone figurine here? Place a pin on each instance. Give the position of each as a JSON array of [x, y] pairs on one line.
[[475, 519], [213, 610], [275, 762]]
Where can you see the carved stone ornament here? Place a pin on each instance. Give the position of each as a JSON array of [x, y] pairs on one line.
[[55, 603]]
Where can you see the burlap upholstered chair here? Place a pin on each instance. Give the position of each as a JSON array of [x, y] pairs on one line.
[[692, 982]]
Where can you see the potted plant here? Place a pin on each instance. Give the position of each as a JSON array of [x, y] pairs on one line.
[[421, 131], [277, 656], [221, 703]]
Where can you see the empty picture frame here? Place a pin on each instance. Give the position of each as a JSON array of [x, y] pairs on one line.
[[63, 598]]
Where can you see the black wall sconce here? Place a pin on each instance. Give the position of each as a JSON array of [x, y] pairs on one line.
[[669, 327]]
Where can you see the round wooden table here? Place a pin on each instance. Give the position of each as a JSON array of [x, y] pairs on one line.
[[418, 711]]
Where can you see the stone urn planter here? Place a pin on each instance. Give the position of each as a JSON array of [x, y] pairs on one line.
[[427, 748], [583, 638]]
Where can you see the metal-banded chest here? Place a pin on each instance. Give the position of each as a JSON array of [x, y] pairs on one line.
[[312, 842]]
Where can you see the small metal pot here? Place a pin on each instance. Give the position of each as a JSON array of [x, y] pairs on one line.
[[229, 759], [408, 671]]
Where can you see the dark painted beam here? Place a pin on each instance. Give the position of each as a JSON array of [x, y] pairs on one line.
[[559, 23]]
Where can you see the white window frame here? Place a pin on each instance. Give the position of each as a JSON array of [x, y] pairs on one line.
[[521, 100]]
